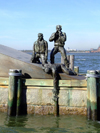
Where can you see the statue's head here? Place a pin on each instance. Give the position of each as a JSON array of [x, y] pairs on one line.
[[58, 27], [40, 36]]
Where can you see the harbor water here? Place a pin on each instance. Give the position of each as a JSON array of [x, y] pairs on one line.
[[47, 124], [50, 123], [85, 61]]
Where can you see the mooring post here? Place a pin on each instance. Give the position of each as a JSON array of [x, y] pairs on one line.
[[71, 65], [13, 90], [19, 92], [92, 87], [98, 95], [76, 69], [88, 97]]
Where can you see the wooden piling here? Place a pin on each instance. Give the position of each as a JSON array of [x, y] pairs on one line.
[[98, 95], [92, 83], [88, 98], [71, 65], [12, 93]]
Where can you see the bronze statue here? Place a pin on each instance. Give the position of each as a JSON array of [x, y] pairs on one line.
[[40, 50], [59, 39]]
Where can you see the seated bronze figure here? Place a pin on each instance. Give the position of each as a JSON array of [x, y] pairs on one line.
[[40, 50]]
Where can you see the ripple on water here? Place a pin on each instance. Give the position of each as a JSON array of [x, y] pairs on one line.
[[47, 124]]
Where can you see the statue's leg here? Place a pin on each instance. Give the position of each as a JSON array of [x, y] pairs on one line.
[[63, 54], [33, 59], [53, 52], [42, 59]]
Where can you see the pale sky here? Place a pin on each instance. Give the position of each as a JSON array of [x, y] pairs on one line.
[[22, 20]]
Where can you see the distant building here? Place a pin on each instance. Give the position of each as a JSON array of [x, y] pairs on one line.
[[71, 50], [95, 50]]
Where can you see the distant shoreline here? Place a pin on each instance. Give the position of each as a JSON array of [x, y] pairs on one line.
[[30, 51]]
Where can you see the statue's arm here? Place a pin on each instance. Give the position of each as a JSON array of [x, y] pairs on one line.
[[52, 37], [46, 49], [33, 49], [63, 38]]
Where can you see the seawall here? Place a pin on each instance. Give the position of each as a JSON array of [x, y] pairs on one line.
[[37, 96]]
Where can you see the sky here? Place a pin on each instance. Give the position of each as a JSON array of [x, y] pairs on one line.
[[22, 20]]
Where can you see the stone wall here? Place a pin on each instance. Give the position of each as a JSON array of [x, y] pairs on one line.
[[38, 96]]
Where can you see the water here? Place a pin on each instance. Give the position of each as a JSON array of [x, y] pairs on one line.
[[52, 124], [47, 124], [85, 61]]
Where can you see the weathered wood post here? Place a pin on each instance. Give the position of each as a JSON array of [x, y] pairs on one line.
[[88, 97], [76, 69], [92, 99], [12, 92], [71, 65], [98, 95]]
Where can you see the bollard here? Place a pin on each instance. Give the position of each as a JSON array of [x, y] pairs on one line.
[[71, 65], [92, 86], [12, 92], [76, 69]]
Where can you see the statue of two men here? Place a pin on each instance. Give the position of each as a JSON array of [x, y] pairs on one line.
[[40, 47]]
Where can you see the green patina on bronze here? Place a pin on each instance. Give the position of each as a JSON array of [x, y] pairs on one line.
[[59, 39]]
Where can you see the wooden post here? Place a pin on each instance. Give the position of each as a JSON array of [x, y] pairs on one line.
[[76, 69], [71, 65], [98, 95], [88, 97], [12, 92], [92, 83]]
